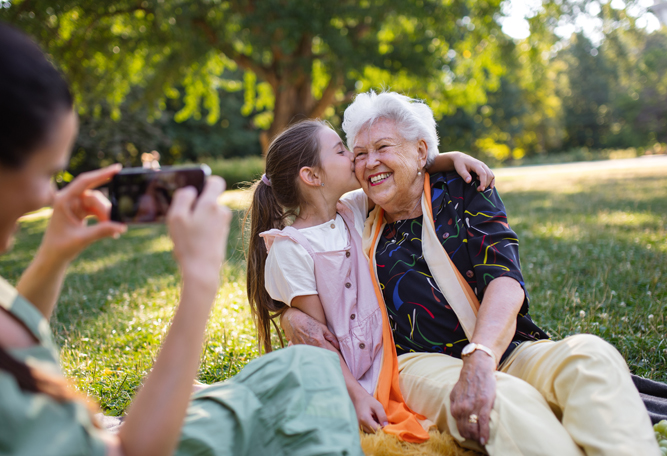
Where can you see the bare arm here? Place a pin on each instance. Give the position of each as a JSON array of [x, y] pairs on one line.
[[302, 329], [496, 321], [475, 391], [199, 231], [464, 164], [66, 236]]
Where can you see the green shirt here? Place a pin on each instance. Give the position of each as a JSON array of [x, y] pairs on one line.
[[34, 424]]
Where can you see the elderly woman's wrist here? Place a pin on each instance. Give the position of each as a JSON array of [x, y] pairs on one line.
[[480, 350], [482, 361]]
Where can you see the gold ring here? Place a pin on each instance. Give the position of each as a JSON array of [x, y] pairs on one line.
[[472, 419]]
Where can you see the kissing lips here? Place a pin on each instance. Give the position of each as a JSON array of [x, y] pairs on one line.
[[377, 179]]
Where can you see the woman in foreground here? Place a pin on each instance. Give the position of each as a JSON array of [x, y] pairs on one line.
[[273, 406]]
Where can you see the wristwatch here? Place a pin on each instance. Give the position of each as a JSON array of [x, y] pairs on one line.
[[471, 347]]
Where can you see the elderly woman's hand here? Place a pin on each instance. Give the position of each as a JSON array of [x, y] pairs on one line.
[[473, 396], [301, 329]]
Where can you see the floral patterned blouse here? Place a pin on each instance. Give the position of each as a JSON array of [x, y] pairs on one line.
[[474, 231]]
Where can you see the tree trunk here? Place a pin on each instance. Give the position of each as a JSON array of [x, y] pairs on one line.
[[294, 101]]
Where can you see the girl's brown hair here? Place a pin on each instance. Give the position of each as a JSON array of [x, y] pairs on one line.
[[272, 205]]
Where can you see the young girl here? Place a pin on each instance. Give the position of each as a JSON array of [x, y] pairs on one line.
[[316, 264]]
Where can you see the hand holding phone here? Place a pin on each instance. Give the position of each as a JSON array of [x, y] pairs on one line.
[[199, 230], [141, 195]]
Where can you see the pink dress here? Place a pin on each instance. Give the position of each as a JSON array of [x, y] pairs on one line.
[[351, 308]]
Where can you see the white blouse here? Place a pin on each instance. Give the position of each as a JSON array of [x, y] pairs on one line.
[[290, 271]]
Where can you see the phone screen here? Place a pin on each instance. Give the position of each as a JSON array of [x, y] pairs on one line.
[[140, 195]]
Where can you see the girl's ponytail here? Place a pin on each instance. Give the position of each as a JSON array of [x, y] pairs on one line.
[[265, 213], [276, 199]]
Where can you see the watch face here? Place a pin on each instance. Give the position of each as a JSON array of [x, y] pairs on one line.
[[468, 349]]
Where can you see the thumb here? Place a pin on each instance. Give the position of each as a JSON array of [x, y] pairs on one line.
[[463, 172], [380, 414], [103, 230], [328, 335]]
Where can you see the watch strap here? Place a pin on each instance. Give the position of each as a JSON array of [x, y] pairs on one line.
[[483, 348]]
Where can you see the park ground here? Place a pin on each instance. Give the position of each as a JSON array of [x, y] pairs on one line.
[[593, 250]]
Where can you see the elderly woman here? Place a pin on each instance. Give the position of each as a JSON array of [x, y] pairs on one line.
[[485, 372]]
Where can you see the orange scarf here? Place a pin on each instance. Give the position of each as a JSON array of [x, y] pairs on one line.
[[404, 423]]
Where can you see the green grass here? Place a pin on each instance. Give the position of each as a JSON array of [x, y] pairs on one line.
[[591, 242], [237, 171], [594, 256], [582, 154], [116, 305]]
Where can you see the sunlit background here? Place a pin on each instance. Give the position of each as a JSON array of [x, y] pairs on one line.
[[512, 82]]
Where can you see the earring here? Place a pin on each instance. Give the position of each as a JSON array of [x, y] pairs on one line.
[[419, 173]]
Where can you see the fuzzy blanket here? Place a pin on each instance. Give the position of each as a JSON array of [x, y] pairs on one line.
[[381, 444]]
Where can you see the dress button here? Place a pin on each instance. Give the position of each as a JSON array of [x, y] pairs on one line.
[[348, 285], [362, 345], [470, 274], [333, 226], [347, 254], [353, 316], [445, 236]]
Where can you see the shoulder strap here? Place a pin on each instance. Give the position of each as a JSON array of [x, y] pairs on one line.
[[456, 290], [25, 312], [348, 218], [290, 233]]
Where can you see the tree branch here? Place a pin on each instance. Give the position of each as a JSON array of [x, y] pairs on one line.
[[327, 98], [241, 60]]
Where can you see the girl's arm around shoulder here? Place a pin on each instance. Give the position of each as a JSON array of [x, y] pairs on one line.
[[464, 164]]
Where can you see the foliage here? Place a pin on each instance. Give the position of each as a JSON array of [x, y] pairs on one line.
[[593, 254], [559, 94], [298, 57], [200, 81], [102, 141]]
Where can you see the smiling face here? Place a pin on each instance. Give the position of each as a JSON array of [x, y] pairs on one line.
[[337, 163], [386, 165], [31, 186]]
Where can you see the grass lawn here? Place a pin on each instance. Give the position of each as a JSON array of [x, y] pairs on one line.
[[594, 255]]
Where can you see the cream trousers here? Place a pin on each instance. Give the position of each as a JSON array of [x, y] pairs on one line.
[[571, 397]]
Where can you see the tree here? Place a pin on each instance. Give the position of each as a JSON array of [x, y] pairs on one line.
[[299, 57]]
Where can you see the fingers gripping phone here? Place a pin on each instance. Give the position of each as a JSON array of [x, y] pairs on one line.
[[141, 195]]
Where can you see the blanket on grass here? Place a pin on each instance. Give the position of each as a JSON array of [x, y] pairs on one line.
[[654, 395]]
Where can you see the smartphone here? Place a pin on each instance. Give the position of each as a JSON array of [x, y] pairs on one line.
[[141, 195]]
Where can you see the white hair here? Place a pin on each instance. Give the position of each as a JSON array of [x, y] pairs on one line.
[[414, 119]]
